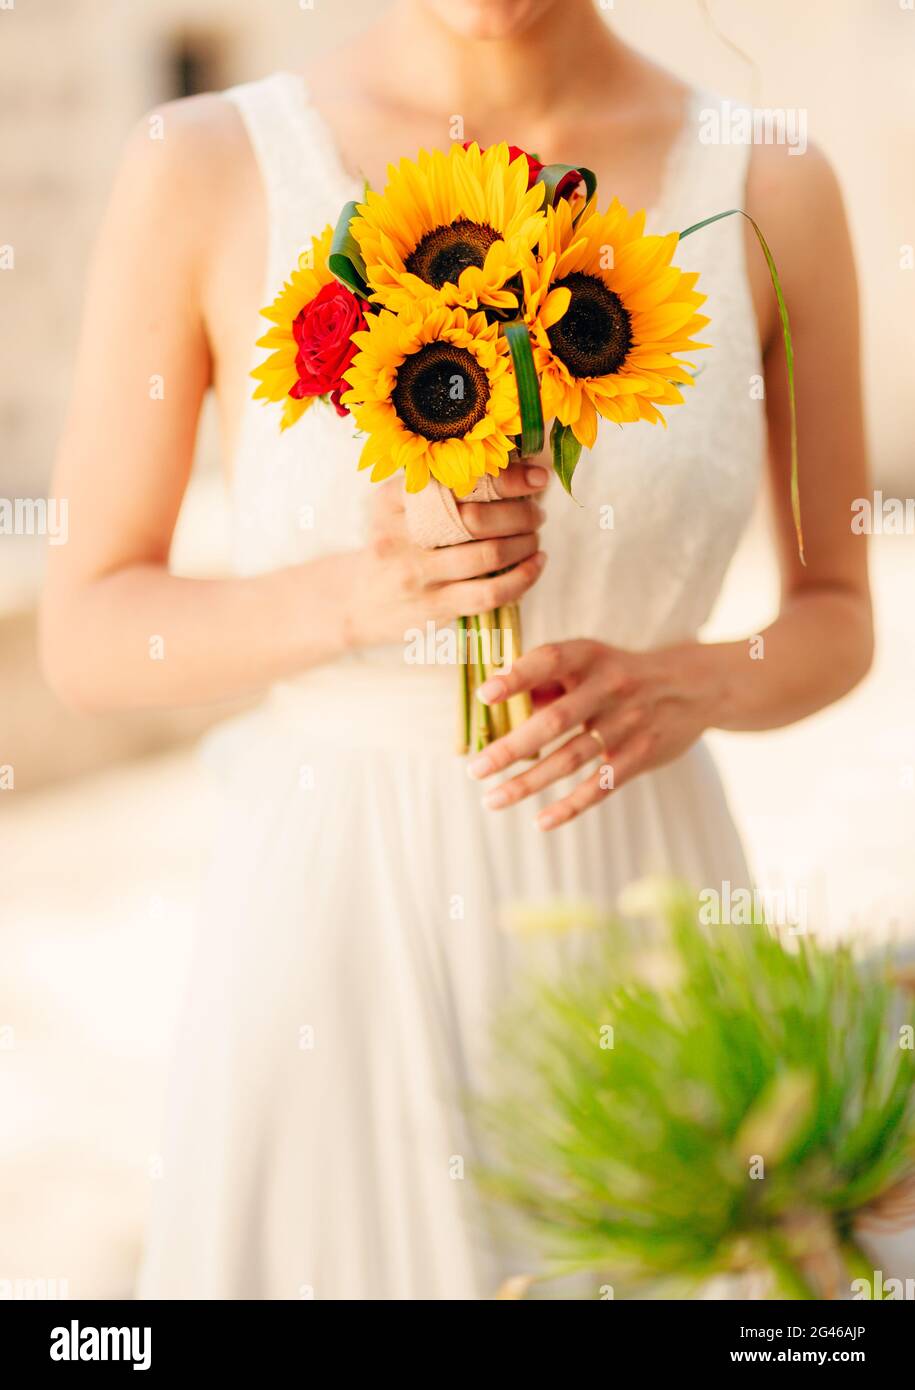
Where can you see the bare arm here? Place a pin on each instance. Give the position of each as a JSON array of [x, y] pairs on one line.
[[118, 630], [821, 643]]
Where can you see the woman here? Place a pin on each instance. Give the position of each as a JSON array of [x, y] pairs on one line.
[[350, 946]]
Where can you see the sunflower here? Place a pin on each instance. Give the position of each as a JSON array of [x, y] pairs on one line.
[[278, 375], [607, 311], [434, 390], [453, 227]]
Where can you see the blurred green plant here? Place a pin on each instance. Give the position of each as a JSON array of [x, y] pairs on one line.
[[735, 1115]]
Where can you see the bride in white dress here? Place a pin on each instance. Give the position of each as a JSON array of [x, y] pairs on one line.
[[352, 940]]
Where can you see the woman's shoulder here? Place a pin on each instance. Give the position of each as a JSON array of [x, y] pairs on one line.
[[185, 177], [191, 157], [792, 181], [206, 134], [197, 132]]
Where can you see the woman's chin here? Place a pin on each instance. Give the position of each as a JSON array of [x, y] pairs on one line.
[[489, 19]]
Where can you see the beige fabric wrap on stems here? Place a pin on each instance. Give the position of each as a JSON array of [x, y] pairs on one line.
[[433, 517]]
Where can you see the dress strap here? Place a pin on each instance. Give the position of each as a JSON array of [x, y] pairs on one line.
[[705, 175], [304, 182], [265, 109]]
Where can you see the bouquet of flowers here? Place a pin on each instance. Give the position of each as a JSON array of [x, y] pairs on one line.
[[480, 291]]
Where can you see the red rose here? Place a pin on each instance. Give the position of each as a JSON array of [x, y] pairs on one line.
[[567, 184], [323, 332]]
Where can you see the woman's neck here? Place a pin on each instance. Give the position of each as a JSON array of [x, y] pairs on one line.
[[427, 66]]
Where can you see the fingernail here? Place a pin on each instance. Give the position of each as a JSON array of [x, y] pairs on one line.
[[537, 477], [540, 559], [490, 692], [496, 799], [480, 766], [545, 820]]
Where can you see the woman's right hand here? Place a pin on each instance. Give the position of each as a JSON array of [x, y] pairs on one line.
[[399, 584]]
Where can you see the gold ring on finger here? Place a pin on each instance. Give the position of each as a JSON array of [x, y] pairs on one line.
[[598, 738]]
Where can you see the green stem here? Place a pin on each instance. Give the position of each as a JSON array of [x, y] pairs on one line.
[[788, 1277], [493, 624], [481, 729], [466, 694], [520, 707]]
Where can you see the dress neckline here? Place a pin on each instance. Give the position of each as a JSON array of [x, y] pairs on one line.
[[323, 150]]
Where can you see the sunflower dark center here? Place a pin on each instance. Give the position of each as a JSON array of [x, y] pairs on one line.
[[594, 335], [445, 251], [441, 391]]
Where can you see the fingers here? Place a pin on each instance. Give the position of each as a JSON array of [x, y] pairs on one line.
[[562, 762], [543, 727], [476, 558], [486, 519], [520, 479], [617, 724], [545, 694], [482, 595], [388, 499], [542, 666], [616, 769]]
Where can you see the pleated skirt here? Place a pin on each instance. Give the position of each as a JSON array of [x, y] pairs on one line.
[[358, 932]]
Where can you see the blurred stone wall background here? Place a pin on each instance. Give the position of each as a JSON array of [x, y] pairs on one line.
[[75, 75]]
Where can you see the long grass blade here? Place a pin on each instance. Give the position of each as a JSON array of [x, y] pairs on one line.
[[789, 354]]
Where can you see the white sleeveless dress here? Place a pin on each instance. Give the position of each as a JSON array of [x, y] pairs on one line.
[[352, 942]]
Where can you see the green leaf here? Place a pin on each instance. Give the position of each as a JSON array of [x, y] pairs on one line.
[[566, 453], [551, 176], [345, 259], [519, 342], [789, 354]]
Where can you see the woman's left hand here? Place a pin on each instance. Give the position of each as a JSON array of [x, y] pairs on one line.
[[633, 710]]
